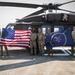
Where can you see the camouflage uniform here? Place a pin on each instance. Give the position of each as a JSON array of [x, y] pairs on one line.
[[72, 48], [73, 35], [41, 41], [33, 42], [1, 47], [50, 51]]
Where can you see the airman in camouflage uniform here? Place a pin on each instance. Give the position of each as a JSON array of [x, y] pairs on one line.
[[1, 47], [73, 33], [41, 41], [47, 41], [33, 45]]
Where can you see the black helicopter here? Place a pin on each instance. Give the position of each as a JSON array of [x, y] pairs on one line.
[[54, 21]]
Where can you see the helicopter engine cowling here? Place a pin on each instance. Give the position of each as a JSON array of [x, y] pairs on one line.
[[52, 17], [60, 17]]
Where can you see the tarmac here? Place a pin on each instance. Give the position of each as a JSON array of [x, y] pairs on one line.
[[20, 62]]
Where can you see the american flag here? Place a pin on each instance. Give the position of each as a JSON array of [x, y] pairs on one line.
[[21, 39]]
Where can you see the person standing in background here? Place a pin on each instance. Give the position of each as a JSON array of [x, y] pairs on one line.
[[73, 36], [47, 41], [1, 47], [33, 45], [73, 33], [41, 41]]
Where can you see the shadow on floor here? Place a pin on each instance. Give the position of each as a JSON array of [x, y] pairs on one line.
[[33, 60]]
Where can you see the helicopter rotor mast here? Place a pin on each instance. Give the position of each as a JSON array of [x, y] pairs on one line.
[[51, 6]]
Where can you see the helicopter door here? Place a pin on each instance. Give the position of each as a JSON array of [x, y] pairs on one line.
[[58, 28]]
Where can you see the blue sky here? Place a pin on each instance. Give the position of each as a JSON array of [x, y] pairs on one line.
[[9, 14]]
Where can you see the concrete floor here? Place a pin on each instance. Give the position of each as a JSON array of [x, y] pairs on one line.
[[21, 63]]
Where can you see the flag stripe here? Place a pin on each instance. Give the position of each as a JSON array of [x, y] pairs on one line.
[[21, 39]]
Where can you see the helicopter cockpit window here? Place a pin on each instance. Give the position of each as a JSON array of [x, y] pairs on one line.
[[58, 28], [10, 26], [43, 30]]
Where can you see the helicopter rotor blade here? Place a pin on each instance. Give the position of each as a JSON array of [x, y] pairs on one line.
[[13, 4], [66, 10], [35, 13], [44, 7], [66, 3], [27, 5]]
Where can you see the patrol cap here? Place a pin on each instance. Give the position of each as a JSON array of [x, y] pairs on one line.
[[49, 29]]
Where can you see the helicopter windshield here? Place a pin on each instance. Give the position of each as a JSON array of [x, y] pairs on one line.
[[10, 26]]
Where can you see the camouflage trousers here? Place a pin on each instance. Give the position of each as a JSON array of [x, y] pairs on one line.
[[50, 51], [1, 48], [33, 47], [41, 48]]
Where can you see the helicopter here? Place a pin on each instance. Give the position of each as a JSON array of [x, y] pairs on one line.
[[40, 19], [54, 21]]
